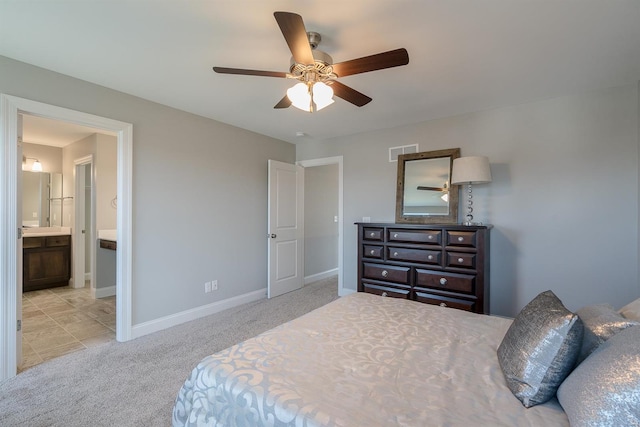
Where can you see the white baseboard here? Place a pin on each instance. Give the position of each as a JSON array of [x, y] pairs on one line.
[[103, 292], [320, 276], [156, 325]]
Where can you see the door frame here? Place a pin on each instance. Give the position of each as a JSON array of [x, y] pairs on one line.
[[10, 269], [331, 161], [79, 216]]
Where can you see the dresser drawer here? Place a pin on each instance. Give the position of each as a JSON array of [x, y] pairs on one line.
[[461, 238], [386, 291], [371, 251], [445, 281], [389, 273], [424, 256], [431, 237], [461, 260], [446, 301], [32, 242], [53, 241], [371, 233]]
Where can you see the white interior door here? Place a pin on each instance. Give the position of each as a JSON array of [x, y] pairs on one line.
[[286, 228]]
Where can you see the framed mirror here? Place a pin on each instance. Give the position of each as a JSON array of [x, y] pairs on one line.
[[424, 194]]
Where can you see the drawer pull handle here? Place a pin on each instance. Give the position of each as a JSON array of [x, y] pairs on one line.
[[443, 304], [460, 239], [460, 260], [373, 252], [395, 254], [395, 235], [430, 257], [385, 273], [372, 234], [430, 237], [384, 294], [443, 281]]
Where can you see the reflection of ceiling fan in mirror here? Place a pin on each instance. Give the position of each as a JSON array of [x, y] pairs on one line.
[[315, 70], [444, 188]]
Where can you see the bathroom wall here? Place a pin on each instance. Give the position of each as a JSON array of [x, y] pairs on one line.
[[103, 148], [50, 157]]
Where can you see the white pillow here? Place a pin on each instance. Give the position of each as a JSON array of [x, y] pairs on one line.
[[631, 310]]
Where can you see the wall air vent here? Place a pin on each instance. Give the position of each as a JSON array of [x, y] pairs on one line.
[[394, 152]]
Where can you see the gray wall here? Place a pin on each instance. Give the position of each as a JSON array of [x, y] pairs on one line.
[[199, 192], [320, 208], [563, 201]]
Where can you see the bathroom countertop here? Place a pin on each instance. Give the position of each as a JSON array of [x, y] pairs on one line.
[[46, 231], [111, 235]]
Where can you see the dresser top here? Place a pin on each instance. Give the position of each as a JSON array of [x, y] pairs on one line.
[[426, 226]]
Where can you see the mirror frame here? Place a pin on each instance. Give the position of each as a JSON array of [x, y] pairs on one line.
[[452, 217]]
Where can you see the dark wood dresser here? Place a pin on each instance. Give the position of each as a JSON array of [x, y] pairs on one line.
[[46, 262], [447, 265]]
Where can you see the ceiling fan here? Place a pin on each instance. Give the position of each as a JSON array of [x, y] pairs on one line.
[[315, 69]]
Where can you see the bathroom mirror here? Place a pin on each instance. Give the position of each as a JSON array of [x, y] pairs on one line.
[[424, 194], [56, 199], [39, 205]]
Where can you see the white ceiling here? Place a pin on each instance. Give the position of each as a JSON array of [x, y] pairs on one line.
[[465, 55]]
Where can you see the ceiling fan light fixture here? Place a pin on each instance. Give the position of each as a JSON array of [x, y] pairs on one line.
[[319, 96]]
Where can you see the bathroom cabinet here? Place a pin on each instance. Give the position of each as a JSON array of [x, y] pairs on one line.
[[46, 262]]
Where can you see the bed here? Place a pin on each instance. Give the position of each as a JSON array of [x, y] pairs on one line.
[[363, 360]]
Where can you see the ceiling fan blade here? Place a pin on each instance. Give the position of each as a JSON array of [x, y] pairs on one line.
[[349, 94], [295, 34], [379, 61], [284, 103], [243, 72]]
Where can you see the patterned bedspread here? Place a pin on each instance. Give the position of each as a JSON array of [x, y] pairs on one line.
[[362, 360]]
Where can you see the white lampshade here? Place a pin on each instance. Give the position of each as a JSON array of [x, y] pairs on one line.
[[36, 167], [322, 95], [471, 170], [300, 97]]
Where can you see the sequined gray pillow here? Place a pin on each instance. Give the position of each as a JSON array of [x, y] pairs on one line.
[[601, 322], [540, 349], [604, 390]]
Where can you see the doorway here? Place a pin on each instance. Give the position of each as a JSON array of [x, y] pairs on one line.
[[10, 230], [333, 177]]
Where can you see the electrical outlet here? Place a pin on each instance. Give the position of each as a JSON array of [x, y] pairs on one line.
[[214, 285], [207, 287]]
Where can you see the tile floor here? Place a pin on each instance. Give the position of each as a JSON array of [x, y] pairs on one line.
[[58, 321]]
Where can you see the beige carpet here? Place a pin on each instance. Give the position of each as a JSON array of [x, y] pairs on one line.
[[135, 383]]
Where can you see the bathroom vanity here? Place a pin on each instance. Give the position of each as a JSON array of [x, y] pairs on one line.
[[46, 261]]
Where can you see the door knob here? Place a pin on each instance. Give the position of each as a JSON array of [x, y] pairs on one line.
[[273, 236]]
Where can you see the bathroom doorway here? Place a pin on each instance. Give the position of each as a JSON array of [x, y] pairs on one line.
[[11, 108], [70, 316]]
